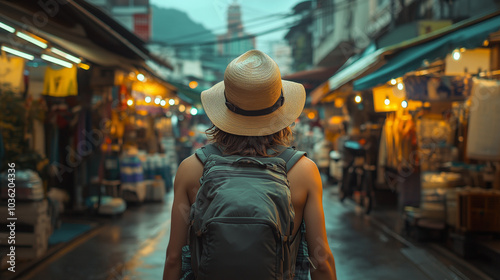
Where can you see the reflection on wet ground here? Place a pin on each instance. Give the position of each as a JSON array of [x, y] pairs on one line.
[[134, 245]]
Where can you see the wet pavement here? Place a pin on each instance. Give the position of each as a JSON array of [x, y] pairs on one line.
[[133, 247]]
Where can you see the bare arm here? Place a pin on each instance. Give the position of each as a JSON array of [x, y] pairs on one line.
[[306, 174], [186, 180]]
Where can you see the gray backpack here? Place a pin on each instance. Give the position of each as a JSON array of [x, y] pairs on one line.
[[242, 219]]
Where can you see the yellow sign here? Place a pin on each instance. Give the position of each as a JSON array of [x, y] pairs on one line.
[[385, 99], [428, 26]]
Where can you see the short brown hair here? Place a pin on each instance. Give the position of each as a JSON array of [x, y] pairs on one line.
[[249, 145]]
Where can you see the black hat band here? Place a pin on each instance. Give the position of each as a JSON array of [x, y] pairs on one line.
[[254, 113]]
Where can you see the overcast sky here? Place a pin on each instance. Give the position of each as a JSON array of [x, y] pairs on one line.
[[212, 14]]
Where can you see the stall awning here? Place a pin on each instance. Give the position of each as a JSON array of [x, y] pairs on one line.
[[191, 96], [469, 34], [310, 79], [346, 74], [81, 28], [316, 74]]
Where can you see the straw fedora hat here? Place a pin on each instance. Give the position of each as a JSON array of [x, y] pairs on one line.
[[253, 100]]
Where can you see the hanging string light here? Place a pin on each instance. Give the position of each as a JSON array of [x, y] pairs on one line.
[[358, 99], [401, 86], [404, 104]]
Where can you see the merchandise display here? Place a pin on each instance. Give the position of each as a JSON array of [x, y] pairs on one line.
[[133, 187], [28, 186], [12, 73], [32, 232], [61, 82], [483, 133]]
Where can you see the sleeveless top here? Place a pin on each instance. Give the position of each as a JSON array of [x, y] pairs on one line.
[[302, 264]]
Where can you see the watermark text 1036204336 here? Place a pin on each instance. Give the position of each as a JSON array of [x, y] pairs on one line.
[[11, 218]]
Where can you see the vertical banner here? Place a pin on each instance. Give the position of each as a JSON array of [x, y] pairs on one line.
[[142, 26]]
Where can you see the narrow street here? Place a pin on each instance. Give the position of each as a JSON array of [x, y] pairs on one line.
[[133, 247], [396, 100]]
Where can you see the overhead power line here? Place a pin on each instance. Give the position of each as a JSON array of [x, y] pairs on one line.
[[314, 14], [251, 22]]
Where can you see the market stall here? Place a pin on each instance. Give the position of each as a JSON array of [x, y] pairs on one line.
[[439, 140], [65, 112]]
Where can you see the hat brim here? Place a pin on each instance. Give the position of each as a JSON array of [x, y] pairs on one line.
[[214, 104]]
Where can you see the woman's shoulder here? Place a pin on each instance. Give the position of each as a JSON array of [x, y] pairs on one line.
[[191, 163], [305, 170], [190, 170], [304, 165]]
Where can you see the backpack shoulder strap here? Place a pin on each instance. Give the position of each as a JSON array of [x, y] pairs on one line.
[[291, 156], [204, 152]]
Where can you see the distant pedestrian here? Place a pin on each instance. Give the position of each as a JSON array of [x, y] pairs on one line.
[[250, 207]]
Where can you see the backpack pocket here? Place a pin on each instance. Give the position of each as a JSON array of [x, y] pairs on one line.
[[240, 248]]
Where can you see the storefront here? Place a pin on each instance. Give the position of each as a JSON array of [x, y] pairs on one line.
[[435, 101], [77, 97]]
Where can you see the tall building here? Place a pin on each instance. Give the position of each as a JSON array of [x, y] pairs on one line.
[[135, 15], [299, 37], [229, 44], [282, 53]]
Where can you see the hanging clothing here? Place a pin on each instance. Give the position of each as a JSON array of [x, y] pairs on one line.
[[54, 144], [39, 138], [416, 88], [382, 156], [61, 82], [12, 73], [2, 149], [398, 141], [483, 134]]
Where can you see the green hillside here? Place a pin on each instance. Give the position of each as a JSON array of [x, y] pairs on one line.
[[174, 26]]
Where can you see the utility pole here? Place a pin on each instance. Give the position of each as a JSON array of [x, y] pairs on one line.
[[393, 14]]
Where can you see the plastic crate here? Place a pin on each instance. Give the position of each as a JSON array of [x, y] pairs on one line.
[[479, 211]]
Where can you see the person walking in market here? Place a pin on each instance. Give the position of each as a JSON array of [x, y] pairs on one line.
[[248, 206]]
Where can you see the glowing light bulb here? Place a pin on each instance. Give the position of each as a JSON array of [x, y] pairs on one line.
[[194, 111], [456, 55], [140, 77], [401, 86], [163, 103], [393, 81], [404, 104], [357, 99], [171, 102], [387, 101], [147, 99], [130, 102], [193, 84], [157, 100]]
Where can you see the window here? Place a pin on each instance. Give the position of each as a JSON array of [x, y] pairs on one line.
[[121, 2], [324, 19], [141, 2], [382, 3]]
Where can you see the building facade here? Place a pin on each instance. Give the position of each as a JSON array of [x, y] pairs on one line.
[[342, 29], [135, 15], [299, 37], [236, 40]]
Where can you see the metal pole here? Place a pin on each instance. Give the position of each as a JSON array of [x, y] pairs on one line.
[[393, 16]]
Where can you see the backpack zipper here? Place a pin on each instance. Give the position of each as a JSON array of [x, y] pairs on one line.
[[229, 174], [273, 169], [242, 220]]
